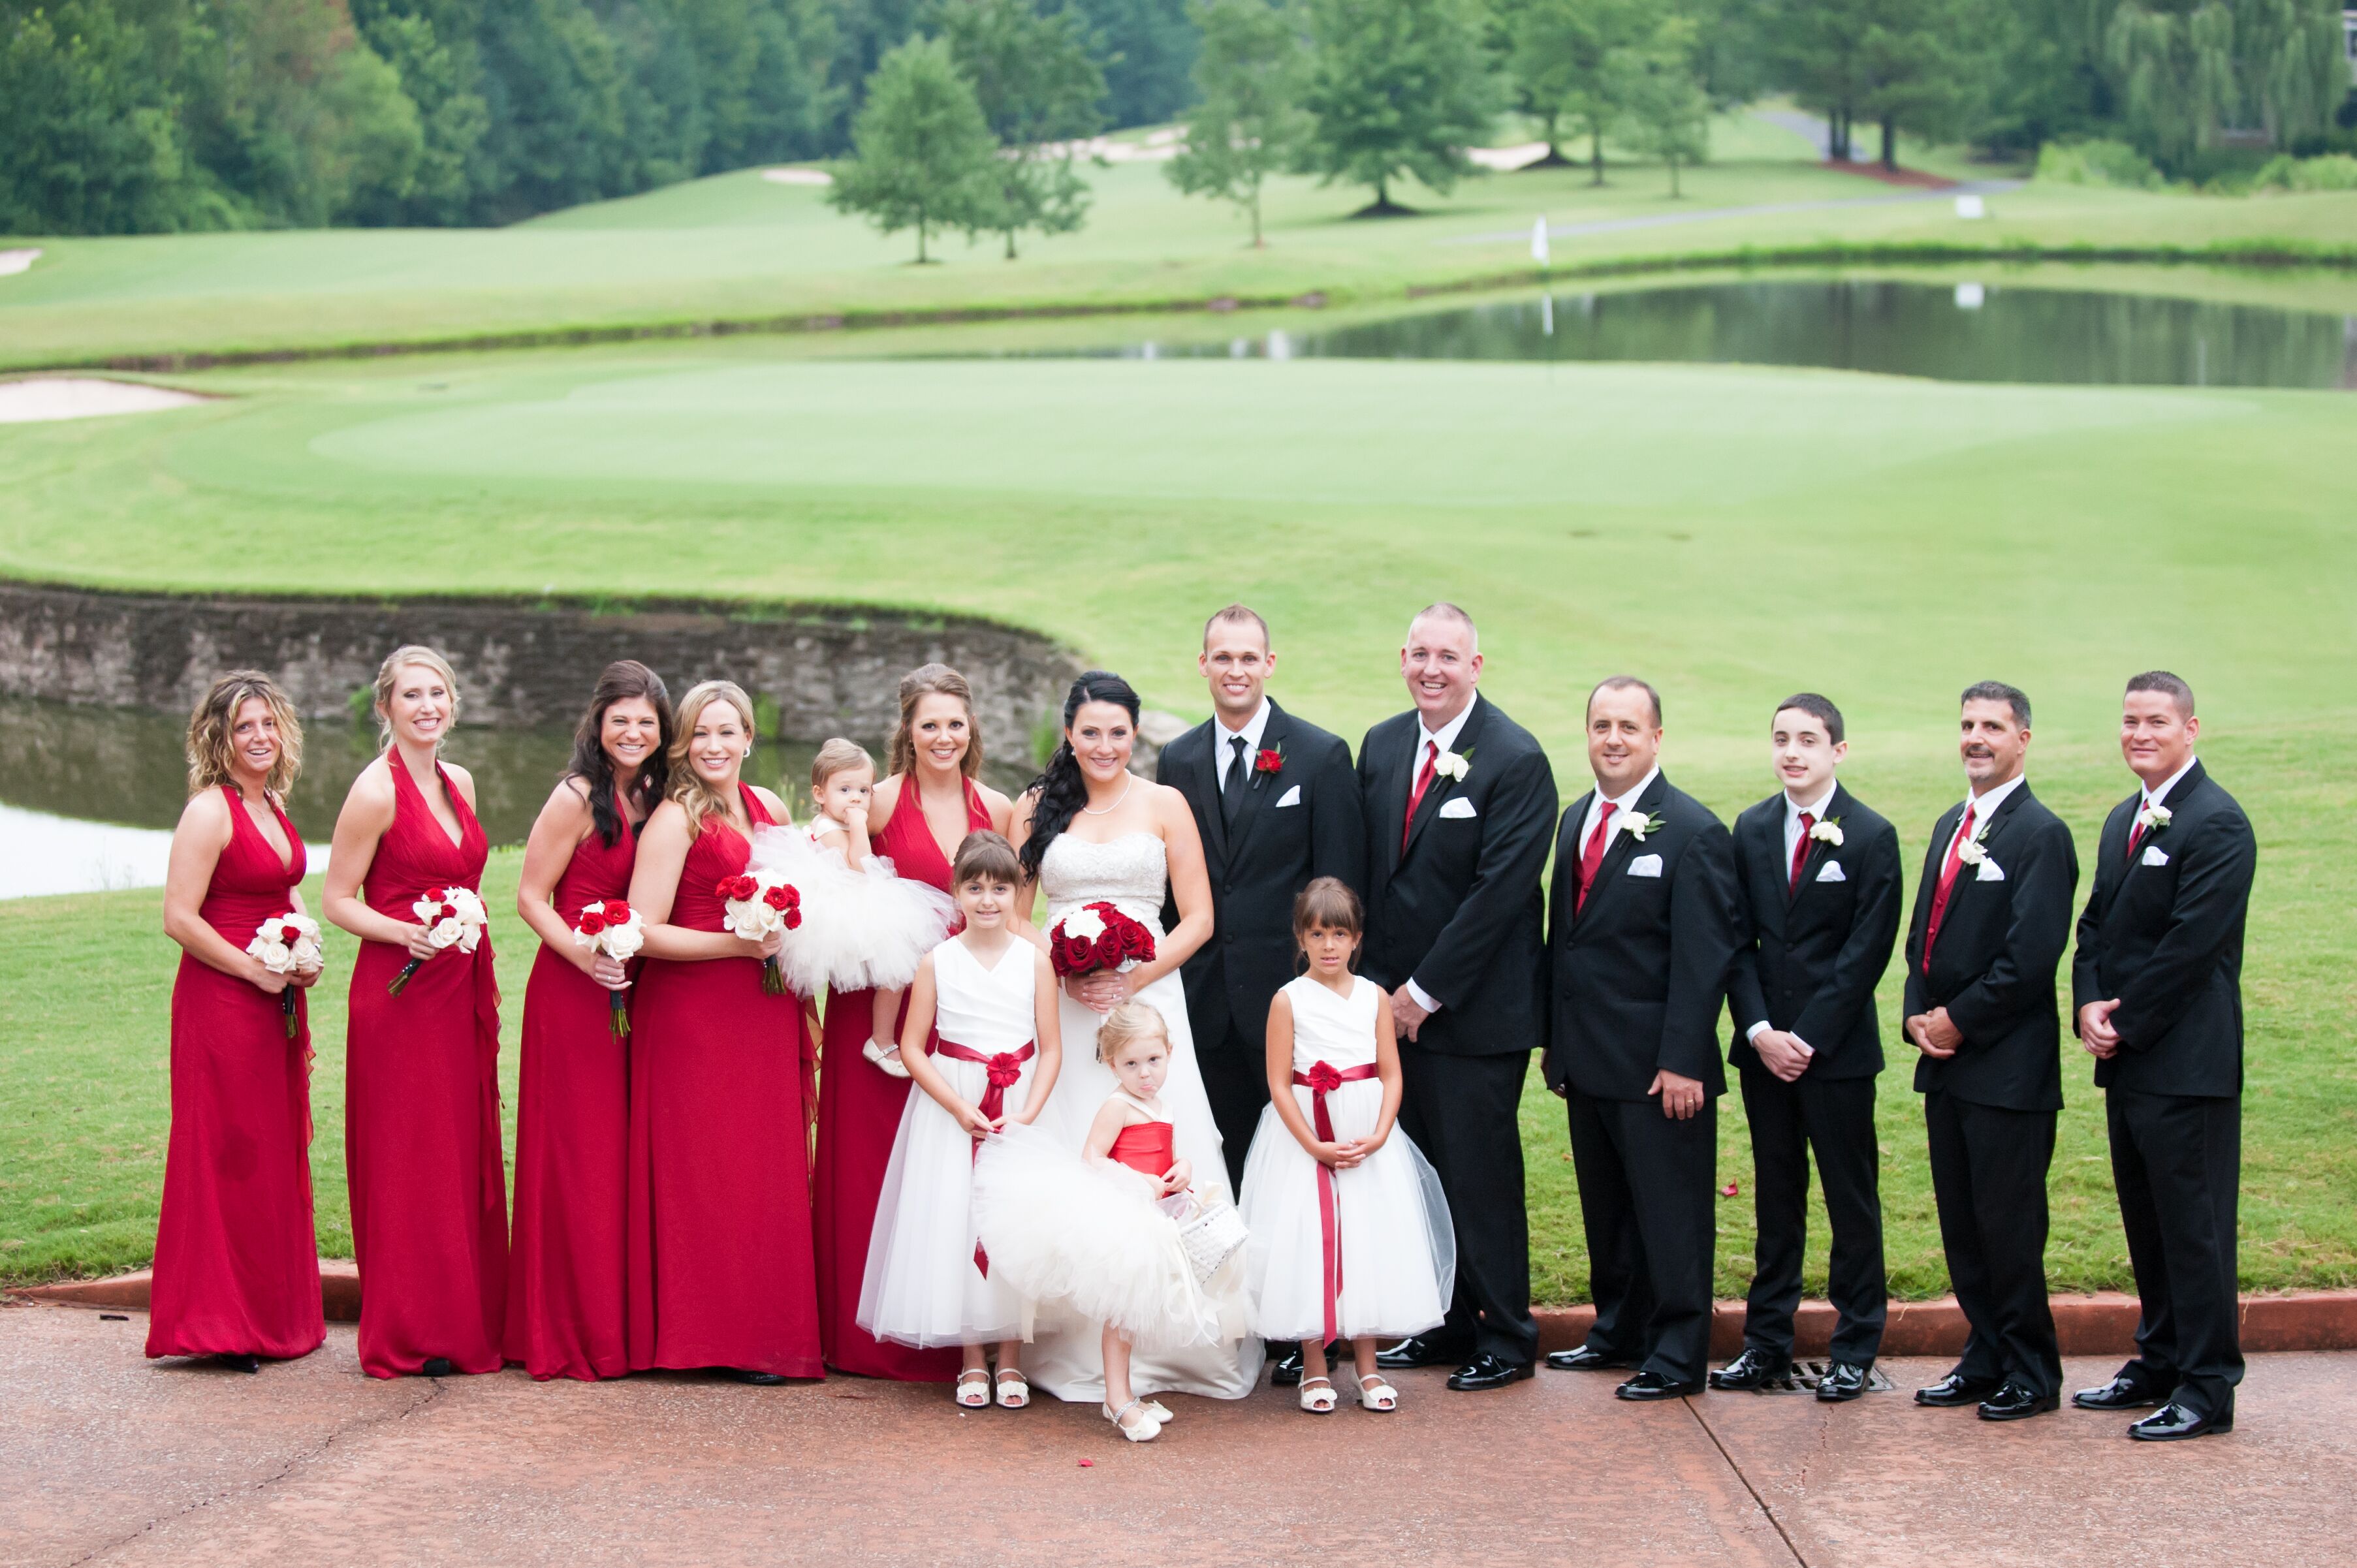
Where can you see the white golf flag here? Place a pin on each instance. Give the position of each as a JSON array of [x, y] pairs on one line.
[[1538, 241]]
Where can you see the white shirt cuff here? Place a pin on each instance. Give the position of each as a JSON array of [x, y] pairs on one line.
[[1753, 1033], [1806, 1049], [1423, 1001]]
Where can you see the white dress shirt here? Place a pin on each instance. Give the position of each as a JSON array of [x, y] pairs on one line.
[[2154, 797], [1984, 807], [1224, 740], [1626, 803], [1444, 737], [1816, 810]]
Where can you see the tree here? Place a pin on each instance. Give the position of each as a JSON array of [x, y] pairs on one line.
[[1815, 50], [1668, 115], [2186, 72], [1148, 49], [1396, 87], [1557, 53], [926, 159], [1923, 68], [1249, 123], [1039, 89]]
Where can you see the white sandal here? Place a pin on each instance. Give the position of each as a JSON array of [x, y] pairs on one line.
[[1317, 1396], [1158, 1411], [972, 1390], [1145, 1430], [1376, 1393], [1017, 1394], [885, 1058]]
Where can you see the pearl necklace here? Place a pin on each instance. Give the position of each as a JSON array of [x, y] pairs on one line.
[[1117, 800]]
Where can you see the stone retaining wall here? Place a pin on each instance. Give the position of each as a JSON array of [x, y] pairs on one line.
[[828, 670]]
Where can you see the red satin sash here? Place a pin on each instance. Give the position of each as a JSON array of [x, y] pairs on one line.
[[1322, 1079], [1005, 1068]]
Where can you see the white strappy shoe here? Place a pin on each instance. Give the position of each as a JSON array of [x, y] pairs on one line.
[[974, 1388], [1317, 1396], [1376, 1393], [1145, 1429], [887, 1057], [1013, 1389]]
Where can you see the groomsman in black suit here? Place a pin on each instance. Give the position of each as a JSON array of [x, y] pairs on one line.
[[1459, 801], [1820, 881], [1643, 926], [2158, 984], [1992, 917]]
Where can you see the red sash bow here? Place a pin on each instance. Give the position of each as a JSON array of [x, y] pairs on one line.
[[1005, 1068], [1322, 1079]]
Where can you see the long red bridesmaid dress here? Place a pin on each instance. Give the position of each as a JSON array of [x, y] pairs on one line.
[[719, 1226], [858, 1115], [573, 1140], [422, 1114], [237, 1268]]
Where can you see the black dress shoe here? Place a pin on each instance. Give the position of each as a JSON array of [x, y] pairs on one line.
[[2174, 1423], [759, 1379], [437, 1366], [1284, 1372], [1654, 1386], [1586, 1358], [1843, 1380], [2131, 1389], [1755, 1368], [2014, 1402], [1421, 1350], [1488, 1371], [1956, 1388], [238, 1363]]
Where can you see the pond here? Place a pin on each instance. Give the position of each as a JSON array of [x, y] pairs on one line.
[[1964, 332]]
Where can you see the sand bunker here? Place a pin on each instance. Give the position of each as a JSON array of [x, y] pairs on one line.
[[798, 177], [82, 397], [17, 260]]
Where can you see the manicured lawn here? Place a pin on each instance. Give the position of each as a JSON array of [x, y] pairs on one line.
[[1734, 534], [739, 248]]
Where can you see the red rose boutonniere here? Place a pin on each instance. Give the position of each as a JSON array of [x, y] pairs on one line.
[[1270, 759]]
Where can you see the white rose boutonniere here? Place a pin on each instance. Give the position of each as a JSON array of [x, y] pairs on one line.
[[1972, 852], [2152, 818], [1453, 765], [1637, 827], [1829, 831]]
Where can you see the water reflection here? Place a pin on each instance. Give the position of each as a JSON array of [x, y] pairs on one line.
[[1968, 332]]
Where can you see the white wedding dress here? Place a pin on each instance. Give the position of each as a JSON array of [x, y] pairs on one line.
[[1132, 872]]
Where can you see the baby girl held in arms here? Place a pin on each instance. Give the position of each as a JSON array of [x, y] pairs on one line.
[[1102, 1234], [1351, 1237], [930, 1281]]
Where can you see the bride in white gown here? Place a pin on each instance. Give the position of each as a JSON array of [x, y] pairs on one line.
[[1092, 829]]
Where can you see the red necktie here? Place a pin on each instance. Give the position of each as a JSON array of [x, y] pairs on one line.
[[2135, 829], [1593, 855], [1947, 885], [1801, 851], [1423, 782]]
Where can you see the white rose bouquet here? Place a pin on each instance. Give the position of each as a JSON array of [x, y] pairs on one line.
[[612, 928], [453, 917], [754, 904], [287, 944]]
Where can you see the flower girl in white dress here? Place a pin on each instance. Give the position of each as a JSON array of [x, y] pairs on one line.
[[1351, 1237], [993, 997]]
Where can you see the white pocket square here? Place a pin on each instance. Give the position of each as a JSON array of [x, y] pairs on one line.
[[1988, 871], [2155, 855], [1457, 806], [1290, 798], [1832, 872], [1645, 865]]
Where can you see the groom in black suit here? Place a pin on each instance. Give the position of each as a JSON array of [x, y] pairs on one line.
[[1992, 917], [1459, 802], [2157, 989], [1820, 878], [1642, 929], [1277, 804]]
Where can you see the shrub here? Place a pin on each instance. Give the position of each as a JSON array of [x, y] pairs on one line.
[[2334, 171], [2097, 163]]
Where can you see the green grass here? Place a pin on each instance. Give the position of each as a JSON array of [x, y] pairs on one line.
[[738, 248], [1733, 535]]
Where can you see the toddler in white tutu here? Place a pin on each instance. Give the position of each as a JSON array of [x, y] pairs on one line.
[[863, 928], [1095, 1233], [1350, 1236], [929, 1281]]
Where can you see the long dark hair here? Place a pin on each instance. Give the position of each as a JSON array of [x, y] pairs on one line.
[[619, 682], [1062, 790]]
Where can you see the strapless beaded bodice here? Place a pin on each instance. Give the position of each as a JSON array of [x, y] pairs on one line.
[[1131, 872]]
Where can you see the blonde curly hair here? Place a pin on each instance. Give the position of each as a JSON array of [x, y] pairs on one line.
[[211, 746]]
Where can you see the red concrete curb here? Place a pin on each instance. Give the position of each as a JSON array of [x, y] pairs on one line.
[[2099, 1325]]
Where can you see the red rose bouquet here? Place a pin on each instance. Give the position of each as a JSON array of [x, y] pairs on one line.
[[1098, 936], [756, 902], [614, 928]]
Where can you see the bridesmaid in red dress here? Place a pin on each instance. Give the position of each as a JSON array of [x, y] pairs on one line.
[[921, 813], [573, 1124], [719, 1222], [422, 1092], [237, 1269]]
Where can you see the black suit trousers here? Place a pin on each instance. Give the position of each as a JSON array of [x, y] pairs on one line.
[[1988, 1177], [1464, 1113], [1235, 1079], [2178, 1163], [1646, 1197], [1834, 1118]]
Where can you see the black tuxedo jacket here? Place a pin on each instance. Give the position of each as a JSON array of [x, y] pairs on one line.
[[1258, 869], [1640, 973], [2167, 940], [1994, 966], [1461, 911], [1809, 957]]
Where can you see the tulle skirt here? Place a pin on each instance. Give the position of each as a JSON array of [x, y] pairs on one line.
[[922, 1287], [1089, 1243], [1398, 1250], [861, 929]]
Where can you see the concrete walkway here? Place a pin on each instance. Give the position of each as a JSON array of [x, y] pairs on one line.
[[105, 1457]]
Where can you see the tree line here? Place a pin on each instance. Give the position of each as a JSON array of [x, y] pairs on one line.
[[149, 115]]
